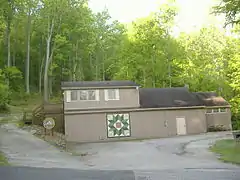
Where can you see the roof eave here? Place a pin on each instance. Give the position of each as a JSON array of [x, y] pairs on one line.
[[139, 109], [227, 106], [99, 87]]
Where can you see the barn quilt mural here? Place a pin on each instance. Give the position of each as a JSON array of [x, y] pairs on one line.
[[118, 125]]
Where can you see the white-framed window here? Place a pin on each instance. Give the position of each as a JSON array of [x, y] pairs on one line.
[[82, 95], [88, 95], [111, 94], [216, 110], [222, 109], [74, 95]]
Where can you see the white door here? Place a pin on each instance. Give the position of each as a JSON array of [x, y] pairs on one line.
[[181, 126]]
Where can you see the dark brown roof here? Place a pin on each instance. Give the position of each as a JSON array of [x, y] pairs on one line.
[[211, 99], [89, 84], [167, 97]]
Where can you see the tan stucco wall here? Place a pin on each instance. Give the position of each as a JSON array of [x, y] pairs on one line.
[[195, 119], [145, 124], [224, 119], [129, 98]]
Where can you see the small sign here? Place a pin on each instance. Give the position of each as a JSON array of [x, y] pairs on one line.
[[49, 123]]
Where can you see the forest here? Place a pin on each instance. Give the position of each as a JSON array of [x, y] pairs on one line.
[[44, 42]]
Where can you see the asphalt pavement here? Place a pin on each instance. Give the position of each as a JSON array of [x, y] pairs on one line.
[[29, 173]]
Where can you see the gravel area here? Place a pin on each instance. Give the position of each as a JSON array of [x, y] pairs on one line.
[[57, 139]]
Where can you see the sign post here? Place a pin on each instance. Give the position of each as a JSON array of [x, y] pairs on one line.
[[49, 124]]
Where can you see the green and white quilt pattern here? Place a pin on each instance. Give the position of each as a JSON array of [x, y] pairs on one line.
[[118, 125]]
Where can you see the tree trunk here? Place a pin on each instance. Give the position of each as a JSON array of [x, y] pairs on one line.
[[41, 63], [169, 73], [153, 71], [144, 78], [78, 67], [74, 64], [8, 43], [103, 67], [50, 77], [45, 95], [40, 76], [91, 64], [70, 65], [97, 70], [15, 44], [50, 85], [48, 41], [27, 68]]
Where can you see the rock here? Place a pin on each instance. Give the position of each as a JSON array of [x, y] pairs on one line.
[[58, 139]]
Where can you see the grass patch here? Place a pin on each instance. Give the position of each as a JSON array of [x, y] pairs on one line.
[[228, 150], [3, 160]]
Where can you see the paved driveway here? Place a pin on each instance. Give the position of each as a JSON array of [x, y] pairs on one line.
[[24, 149], [189, 152]]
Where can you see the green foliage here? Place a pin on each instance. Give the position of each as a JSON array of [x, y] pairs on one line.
[[89, 46], [13, 75], [3, 97], [235, 102], [4, 93], [231, 10], [25, 100]]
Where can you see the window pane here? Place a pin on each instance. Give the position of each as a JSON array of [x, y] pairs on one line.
[[83, 95], [215, 110], [91, 95], [223, 110], [111, 94], [74, 95]]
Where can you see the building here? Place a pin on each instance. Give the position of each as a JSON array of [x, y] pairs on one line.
[[98, 111], [218, 112]]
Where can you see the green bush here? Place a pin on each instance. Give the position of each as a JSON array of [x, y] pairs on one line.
[[236, 121], [235, 109], [4, 97], [13, 75], [9, 84]]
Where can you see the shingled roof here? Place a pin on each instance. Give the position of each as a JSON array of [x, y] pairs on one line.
[[211, 99], [168, 97], [99, 84]]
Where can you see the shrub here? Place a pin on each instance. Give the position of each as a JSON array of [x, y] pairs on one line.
[[217, 128], [4, 97]]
